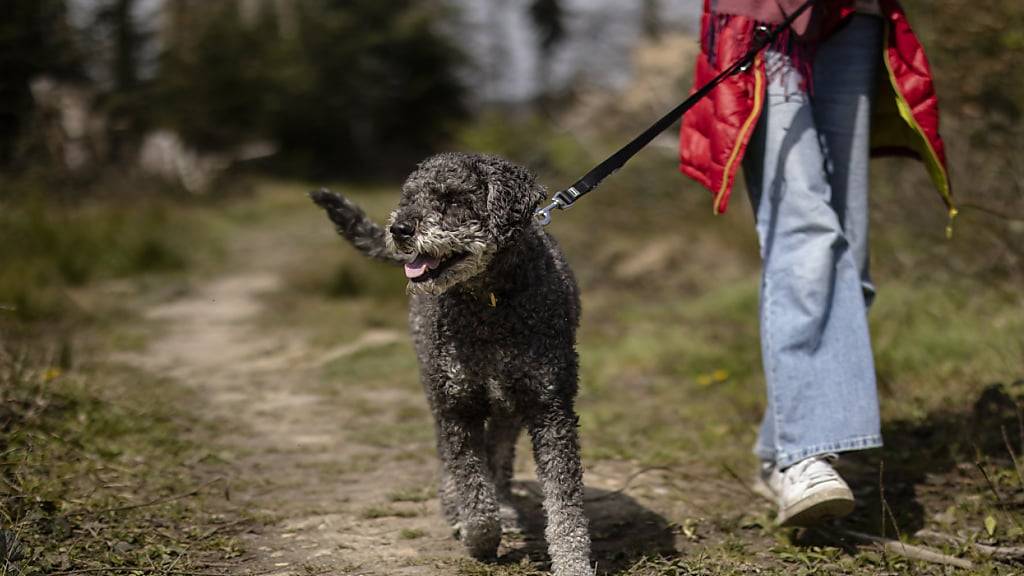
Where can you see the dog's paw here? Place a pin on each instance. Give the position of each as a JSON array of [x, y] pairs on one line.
[[339, 209], [481, 536]]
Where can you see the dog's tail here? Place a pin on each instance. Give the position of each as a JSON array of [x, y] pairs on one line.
[[352, 223]]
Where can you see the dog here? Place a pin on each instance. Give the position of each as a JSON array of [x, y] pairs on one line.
[[493, 314]]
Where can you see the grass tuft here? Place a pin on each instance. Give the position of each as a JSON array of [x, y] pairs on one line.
[[85, 476], [48, 247], [388, 512], [411, 533]]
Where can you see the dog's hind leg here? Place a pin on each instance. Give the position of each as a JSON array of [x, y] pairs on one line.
[[464, 457], [556, 450], [502, 433]]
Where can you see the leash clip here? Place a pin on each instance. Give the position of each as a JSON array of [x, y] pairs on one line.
[[561, 200]]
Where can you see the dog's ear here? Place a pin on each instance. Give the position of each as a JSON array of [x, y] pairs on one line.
[[512, 197]]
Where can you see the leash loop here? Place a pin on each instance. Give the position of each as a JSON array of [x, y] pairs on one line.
[[762, 38]]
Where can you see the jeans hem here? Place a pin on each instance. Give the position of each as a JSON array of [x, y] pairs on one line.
[[786, 459], [764, 454]]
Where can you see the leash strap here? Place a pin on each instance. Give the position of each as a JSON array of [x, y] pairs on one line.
[[763, 37]]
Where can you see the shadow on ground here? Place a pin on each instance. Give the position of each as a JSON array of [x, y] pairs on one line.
[[930, 463], [621, 530]]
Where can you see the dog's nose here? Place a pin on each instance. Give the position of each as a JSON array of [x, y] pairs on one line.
[[403, 229]]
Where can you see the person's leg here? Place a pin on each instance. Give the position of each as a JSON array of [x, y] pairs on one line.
[[845, 74], [815, 345]]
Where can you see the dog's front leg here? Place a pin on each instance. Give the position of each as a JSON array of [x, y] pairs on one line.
[[556, 450], [461, 445]]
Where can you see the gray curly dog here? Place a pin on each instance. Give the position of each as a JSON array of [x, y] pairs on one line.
[[493, 314]]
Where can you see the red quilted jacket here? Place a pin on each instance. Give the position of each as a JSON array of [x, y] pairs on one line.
[[715, 133]]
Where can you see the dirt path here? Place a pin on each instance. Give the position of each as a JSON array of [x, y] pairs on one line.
[[325, 496], [329, 500], [338, 475]]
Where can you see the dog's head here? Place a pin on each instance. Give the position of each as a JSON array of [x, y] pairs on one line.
[[457, 211]]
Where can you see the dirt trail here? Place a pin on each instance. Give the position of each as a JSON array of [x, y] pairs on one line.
[[328, 495], [299, 465]]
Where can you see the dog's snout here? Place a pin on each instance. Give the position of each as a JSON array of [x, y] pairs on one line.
[[403, 229]]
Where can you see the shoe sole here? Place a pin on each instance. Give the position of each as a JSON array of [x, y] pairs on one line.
[[816, 508]]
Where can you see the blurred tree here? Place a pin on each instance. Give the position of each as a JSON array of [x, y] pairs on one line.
[[216, 79], [369, 83], [35, 40], [549, 20], [355, 84], [118, 16], [548, 16], [650, 18], [125, 101]]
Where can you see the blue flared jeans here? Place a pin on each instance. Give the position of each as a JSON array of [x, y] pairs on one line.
[[807, 174]]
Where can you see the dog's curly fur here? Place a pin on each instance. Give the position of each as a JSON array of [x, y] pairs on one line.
[[495, 329]]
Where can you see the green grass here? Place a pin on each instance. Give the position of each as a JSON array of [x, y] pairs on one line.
[[388, 512], [411, 533], [92, 466], [50, 246], [380, 365], [416, 494]]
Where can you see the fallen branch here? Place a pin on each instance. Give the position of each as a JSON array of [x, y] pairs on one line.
[[732, 473], [991, 212], [902, 549], [999, 497], [156, 502], [999, 552], [142, 569], [202, 537], [1013, 456], [629, 480], [888, 544]]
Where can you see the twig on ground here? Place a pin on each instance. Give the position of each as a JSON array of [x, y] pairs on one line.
[[881, 498], [998, 552], [736, 477], [888, 544], [901, 549], [1013, 457], [991, 212], [629, 480], [220, 527], [885, 504], [155, 570], [991, 486], [156, 502], [1020, 423], [999, 497], [141, 569]]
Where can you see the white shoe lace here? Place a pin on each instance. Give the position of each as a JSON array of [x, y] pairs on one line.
[[813, 471]]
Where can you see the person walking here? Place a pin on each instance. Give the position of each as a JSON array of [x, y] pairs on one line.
[[848, 79]]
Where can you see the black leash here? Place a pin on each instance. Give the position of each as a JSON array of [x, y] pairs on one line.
[[563, 199]]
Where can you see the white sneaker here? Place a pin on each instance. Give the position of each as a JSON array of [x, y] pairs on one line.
[[807, 493]]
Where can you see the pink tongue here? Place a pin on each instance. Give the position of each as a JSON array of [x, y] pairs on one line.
[[420, 265]]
